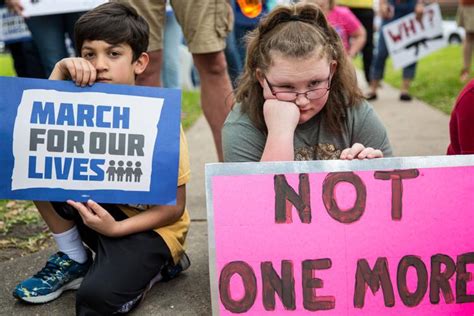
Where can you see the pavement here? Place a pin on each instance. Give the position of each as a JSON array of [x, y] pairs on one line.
[[414, 128]]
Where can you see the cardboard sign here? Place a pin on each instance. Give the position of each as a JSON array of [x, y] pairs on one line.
[[47, 7], [111, 143], [381, 237], [12, 27], [408, 39]]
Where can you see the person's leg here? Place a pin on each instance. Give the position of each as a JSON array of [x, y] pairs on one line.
[[205, 26], [173, 36], [65, 269], [121, 272], [240, 31], [33, 62], [468, 48], [69, 20], [151, 76], [465, 19], [366, 17], [408, 76], [233, 59], [216, 93], [154, 13], [48, 35], [378, 67], [19, 61]]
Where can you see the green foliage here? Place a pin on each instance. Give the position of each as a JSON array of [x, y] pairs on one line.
[[437, 78]]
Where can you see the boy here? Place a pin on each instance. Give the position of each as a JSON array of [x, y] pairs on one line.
[[135, 246]]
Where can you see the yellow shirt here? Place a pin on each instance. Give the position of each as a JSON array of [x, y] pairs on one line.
[[356, 3], [174, 234]]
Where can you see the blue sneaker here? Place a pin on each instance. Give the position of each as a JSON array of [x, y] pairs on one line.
[[60, 274], [171, 271]]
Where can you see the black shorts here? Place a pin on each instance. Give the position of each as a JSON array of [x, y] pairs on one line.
[[122, 268]]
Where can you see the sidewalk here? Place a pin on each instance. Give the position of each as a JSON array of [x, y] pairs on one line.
[[414, 128]]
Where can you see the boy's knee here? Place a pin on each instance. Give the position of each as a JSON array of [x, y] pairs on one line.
[[92, 298]]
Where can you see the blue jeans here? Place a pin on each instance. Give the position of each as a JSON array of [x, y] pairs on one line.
[[48, 33], [378, 65], [232, 56], [240, 31], [170, 69]]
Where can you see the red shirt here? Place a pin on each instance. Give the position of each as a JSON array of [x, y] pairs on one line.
[[461, 125], [466, 2]]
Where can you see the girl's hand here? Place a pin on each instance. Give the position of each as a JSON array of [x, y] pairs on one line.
[[359, 151], [79, 70], [280, 116], [97, 218]]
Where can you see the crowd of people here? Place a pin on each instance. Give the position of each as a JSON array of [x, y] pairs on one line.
[[296, 97]]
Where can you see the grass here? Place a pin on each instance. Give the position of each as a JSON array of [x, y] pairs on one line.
[[6, 66], [21, 226], [437, 78]]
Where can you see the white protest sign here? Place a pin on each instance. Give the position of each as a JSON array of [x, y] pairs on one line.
[[48, 7], [70, 139], [408, 39], [12, 27]]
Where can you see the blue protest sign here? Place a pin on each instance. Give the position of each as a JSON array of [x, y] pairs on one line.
[[110, 143], [12, 27]]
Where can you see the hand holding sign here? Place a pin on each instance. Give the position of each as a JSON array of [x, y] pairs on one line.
[[97, 218], [79, 70], [415, 35], [15, 6]]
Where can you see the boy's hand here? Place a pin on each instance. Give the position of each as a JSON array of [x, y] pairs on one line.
[[79, 70], [359, 151], [97, 218]]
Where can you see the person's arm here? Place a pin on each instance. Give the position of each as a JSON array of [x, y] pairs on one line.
[[358, 39], [77, 69], [98, 219], [281, 119]]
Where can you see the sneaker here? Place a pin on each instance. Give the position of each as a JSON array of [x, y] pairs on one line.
[[171, 271], [60, 274], [371, 96]]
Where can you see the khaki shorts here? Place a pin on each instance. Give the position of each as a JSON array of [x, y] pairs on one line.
[[205, 23], [466, 17]]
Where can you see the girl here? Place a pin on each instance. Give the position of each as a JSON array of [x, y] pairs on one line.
[[298, 97], [346, 24]]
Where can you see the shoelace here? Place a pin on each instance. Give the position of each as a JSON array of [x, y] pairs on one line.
[[50, 268]]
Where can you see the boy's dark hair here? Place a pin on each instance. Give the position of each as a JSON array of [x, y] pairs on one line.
[[113, 23]]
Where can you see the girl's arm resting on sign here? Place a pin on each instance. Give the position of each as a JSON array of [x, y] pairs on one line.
[[98, 219], [281, 119]]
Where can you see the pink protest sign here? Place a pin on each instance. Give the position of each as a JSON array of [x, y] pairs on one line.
[[373, 240]]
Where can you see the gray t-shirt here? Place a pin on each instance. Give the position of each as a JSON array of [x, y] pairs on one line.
[[242, 141]]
